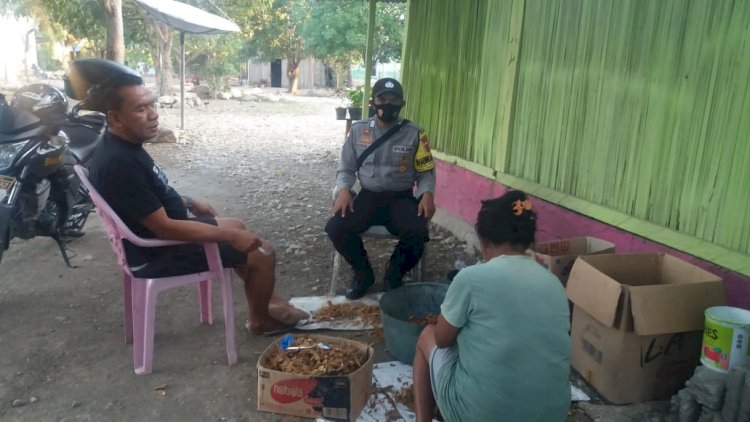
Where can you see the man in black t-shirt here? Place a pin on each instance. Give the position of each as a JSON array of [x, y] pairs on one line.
[[138, 191]]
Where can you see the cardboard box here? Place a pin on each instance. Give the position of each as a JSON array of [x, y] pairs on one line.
[[637, 323], [331, 397], [558, 256]]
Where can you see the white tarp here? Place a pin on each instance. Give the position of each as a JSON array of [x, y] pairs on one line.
[[312, 304], [391, 377], [186, 18]]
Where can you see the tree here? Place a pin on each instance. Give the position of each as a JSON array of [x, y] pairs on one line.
[[213, 57], [334, 32], [75, 20], [389, 32], [115, 35], [274, 31], [337, 32], [145, 33]]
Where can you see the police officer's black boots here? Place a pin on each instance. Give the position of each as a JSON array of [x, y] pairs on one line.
[[361, 282], [392, 278]]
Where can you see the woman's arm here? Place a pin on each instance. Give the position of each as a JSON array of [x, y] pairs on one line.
[[445, 333]]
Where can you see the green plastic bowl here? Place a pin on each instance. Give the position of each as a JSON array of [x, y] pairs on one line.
[[396, 306]]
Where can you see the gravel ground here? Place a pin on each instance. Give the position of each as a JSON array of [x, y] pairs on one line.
[[268, 163]]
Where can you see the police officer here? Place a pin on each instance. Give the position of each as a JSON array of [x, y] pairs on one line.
[[388, 155]]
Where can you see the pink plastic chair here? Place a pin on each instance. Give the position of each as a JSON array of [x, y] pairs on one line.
[[140, 294]]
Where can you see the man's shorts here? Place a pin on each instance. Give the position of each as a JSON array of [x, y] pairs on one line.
[[439, 357], [189, 258]]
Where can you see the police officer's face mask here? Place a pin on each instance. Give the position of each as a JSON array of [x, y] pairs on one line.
[[388, 112]]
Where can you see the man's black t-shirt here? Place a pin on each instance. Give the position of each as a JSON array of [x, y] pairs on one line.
[[129, 180]]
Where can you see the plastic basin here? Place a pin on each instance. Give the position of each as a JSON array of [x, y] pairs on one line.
[[396, 306]]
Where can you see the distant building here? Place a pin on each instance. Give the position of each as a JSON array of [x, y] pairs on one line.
[[312, 73]]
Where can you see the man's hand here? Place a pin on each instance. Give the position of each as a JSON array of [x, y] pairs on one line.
[[342, 203], [426, 206], [203, 209], [245, 241]]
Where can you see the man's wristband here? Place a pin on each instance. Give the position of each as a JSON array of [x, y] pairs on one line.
[[188, 202]]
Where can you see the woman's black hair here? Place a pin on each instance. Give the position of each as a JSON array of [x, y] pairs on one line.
[[507, 219]]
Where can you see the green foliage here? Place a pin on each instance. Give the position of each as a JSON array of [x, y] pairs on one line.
[[214, 57], [356, 96], [66, 21], [273, 27], [46, 59], [337, 32]]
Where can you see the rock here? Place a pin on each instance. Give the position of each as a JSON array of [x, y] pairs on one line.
[[744, 412], [734, 392], [18, 403], [684, 406], [167, 100], [75, 404], [33, 399], [167, 135], [708, 386], [202, 91], [632, 412], [709, 415]]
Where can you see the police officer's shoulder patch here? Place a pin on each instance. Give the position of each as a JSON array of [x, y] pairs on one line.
[[423, 158]]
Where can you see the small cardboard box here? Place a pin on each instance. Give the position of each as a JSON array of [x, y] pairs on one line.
[[339, 397], [558, 256], [637, 322]]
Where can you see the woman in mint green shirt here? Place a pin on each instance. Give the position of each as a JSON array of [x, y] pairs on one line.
[[500, 350]]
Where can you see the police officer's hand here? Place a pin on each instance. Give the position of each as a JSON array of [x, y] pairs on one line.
[[343, 203], [426, 206], [203, 209]]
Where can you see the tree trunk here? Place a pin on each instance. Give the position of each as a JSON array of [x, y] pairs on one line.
[[292, 73], [115, 36], [161, 54]]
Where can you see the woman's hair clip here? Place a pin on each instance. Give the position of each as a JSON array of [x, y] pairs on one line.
[[520, 206]]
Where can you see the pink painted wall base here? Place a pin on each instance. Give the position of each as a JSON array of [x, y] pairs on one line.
[[459, 192]]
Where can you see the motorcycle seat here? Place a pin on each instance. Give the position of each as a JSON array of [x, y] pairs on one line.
[[83, 139]]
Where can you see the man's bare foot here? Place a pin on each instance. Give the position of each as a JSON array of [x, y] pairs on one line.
[[269, 326], [286, 313]]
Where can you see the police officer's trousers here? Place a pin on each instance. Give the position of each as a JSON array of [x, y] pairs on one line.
[[397, 211]]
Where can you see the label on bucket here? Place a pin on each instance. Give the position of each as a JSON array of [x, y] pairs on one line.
[[725, 344]]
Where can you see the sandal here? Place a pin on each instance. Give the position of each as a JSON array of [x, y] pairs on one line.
[[283, 330]]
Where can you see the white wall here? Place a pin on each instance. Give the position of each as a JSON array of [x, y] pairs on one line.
[[13, 33]]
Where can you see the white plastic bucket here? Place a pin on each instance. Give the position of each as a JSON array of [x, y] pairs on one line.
[[725, 338]]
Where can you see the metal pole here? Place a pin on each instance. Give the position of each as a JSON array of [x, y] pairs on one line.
[[368, 56], [182, 80]]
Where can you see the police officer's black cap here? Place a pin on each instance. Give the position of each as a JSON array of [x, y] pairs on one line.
[[387, 86]]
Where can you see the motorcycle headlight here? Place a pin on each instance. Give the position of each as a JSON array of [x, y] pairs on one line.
[[8, 152]]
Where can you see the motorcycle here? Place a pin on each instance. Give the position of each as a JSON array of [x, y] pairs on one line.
[[40, 142]]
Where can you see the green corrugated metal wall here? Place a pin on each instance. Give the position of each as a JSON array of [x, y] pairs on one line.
[[640, 106]]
